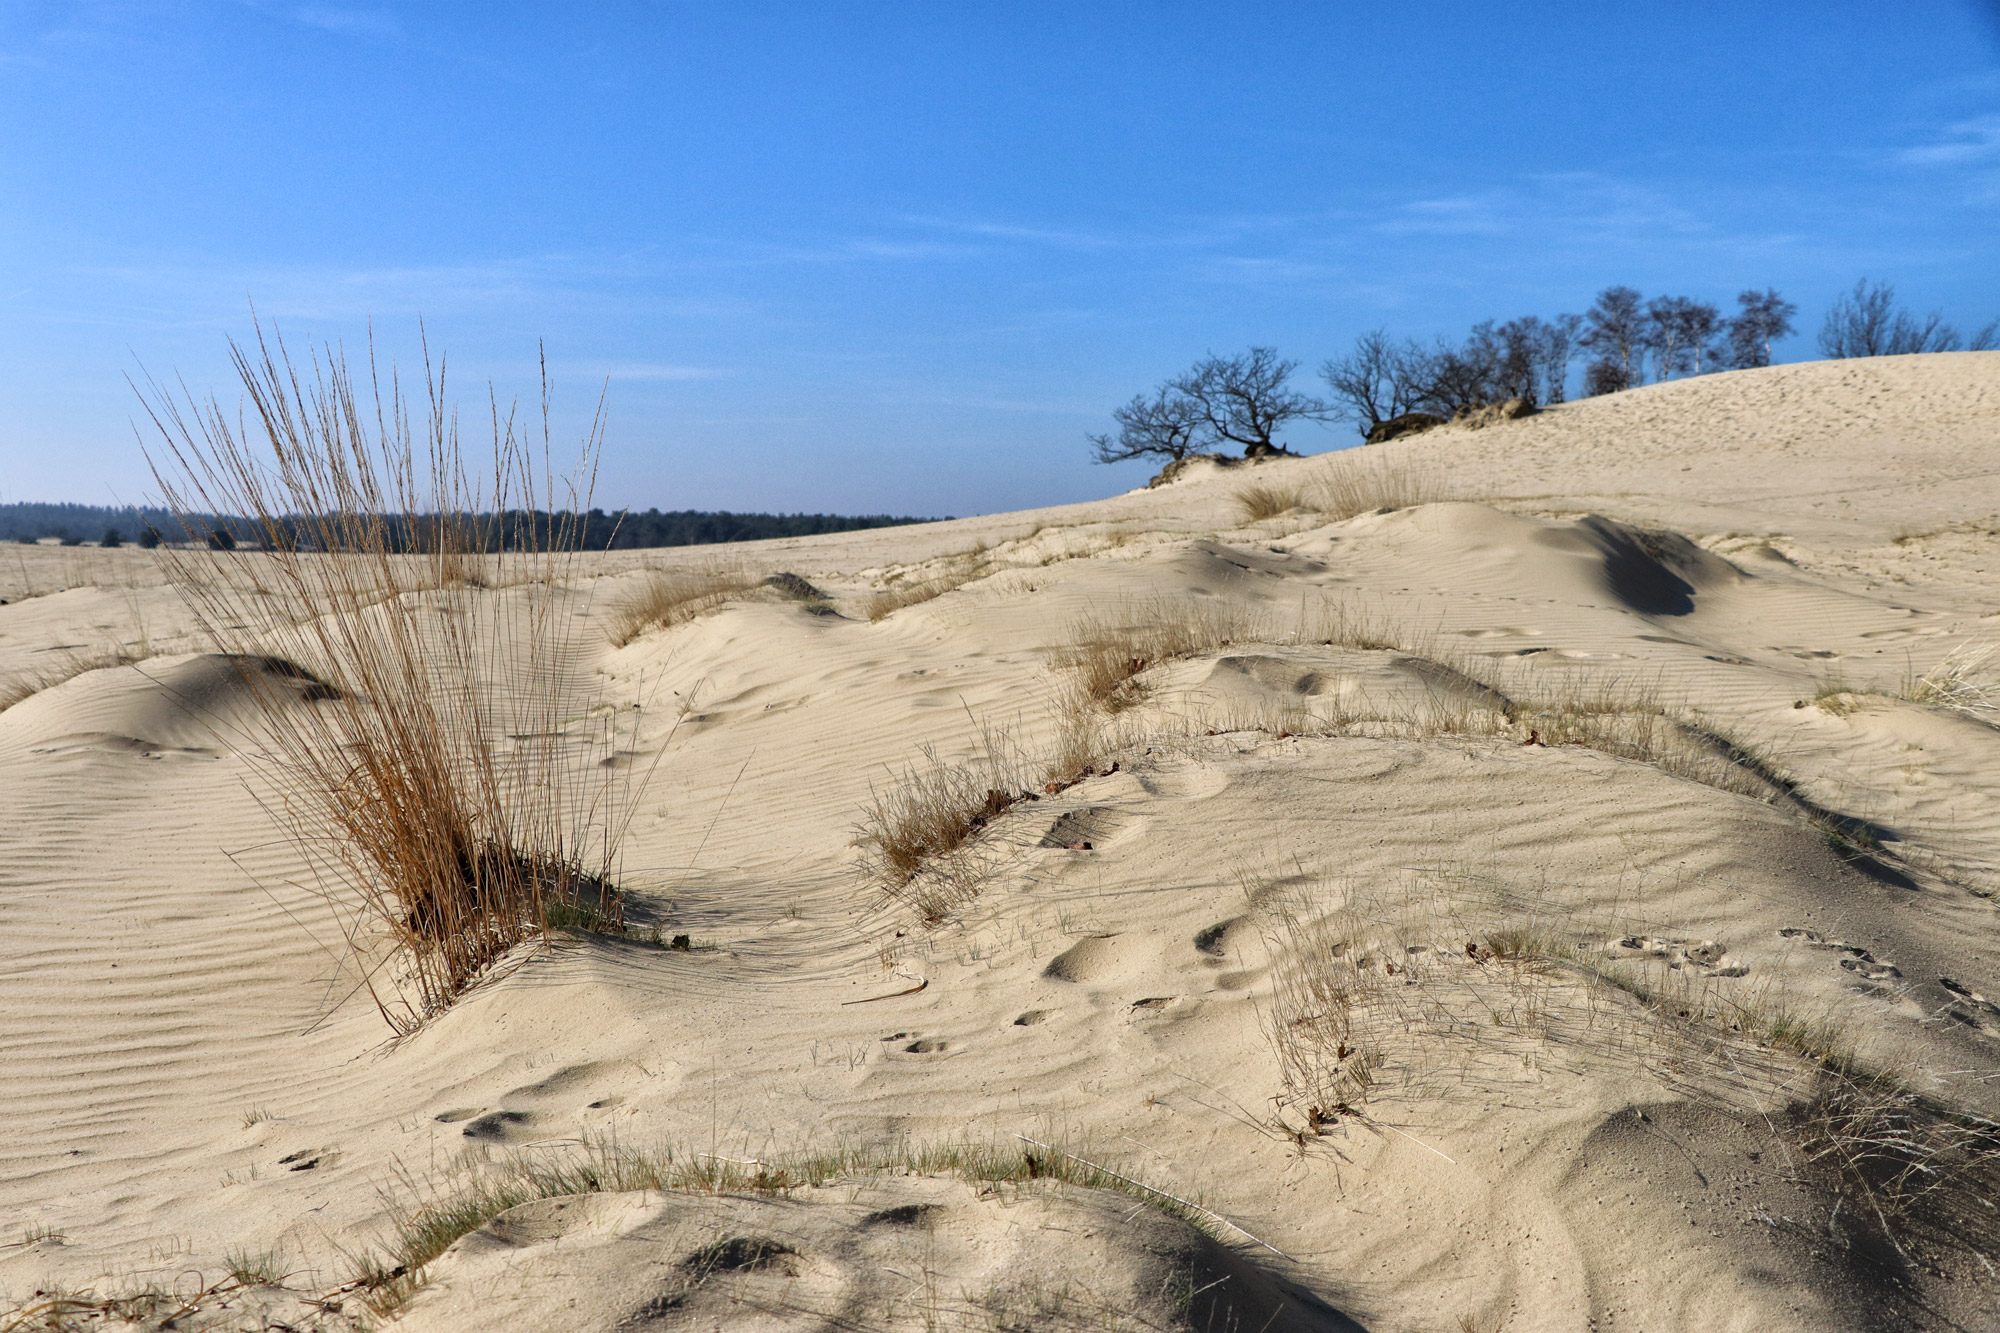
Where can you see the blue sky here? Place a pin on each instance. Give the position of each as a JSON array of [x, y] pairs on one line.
[[901, 256]]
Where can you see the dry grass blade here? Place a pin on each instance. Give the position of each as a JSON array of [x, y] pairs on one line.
[[1325, 1066], [420, 736]]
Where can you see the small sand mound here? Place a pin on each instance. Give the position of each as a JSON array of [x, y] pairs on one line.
[[1097, 958], [161, 703], [901, 1253]]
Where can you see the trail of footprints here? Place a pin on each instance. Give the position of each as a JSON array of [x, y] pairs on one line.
[[533, 1110]]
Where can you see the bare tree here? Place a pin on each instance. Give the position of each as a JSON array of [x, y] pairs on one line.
[[1764, 318], [1603, 376], [1559, 338], [1166, 425], [1519, 372], [1243, 400], [1679, 331], [1986, 339], [1464, 377], [1616, 331], [1378, 381], [1247, 399], [1867, 322]]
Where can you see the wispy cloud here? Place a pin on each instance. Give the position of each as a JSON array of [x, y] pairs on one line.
[[1571, 203], [1062, 238], [1483, 215], [1968, 141], [649, 372], [348, 22]]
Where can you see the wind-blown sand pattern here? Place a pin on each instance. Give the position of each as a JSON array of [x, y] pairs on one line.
[[1495, 913]]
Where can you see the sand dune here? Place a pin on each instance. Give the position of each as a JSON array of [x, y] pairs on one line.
[[1494, 914]]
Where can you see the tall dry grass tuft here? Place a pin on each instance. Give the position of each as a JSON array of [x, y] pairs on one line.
[[1257, 502], [674, 597], [1967, 681], [913, 832], [1359, 482], [438, 772], [1105, 655]]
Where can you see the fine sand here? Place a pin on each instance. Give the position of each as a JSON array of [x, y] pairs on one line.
[[1558, 896]]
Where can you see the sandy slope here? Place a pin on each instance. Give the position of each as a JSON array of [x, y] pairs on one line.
[[187, 1072]]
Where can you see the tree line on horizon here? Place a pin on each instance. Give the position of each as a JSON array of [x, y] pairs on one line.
[[1388, 386], [596, 530]]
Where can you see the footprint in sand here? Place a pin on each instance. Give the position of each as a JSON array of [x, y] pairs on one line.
[[527, 1111], [1094, 958], [1869, 968], [1169, 1007], [1033, 1017], [559, 1086], [1078, 830], [1972, 1009], [906, 1215], [1707, 957], [1215, 941], [502, 1127], [1857, 960]]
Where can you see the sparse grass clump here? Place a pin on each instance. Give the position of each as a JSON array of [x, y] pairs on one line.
[[912, 832], [1354, 482], [1967, 681], [667, 598], [427, 1221], [1106, 656], [1258, 502], [1377, 987], [1361, 482], [438, 772], [961, 569], [1917, 1170], [1835, 697], [29, 684], [265, 1269]]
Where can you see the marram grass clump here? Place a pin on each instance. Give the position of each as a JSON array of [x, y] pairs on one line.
[[440, 780]]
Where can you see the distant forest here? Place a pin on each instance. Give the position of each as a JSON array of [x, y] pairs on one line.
[[75, 524]]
